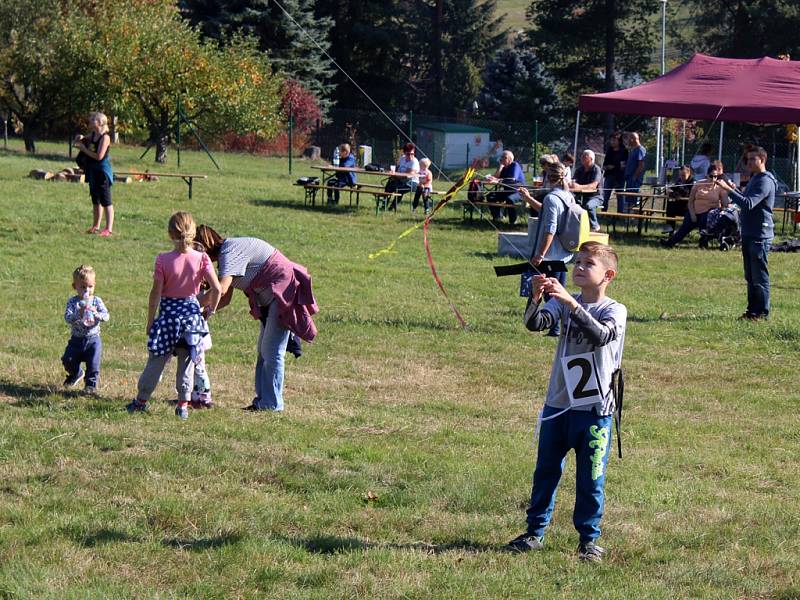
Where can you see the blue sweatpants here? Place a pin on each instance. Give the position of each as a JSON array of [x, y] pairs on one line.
[[83, 350], [590, 436]]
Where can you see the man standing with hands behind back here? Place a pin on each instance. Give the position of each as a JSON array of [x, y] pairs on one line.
[[634, 172], [757, 230]]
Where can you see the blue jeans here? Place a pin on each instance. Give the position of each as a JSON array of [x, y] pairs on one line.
[[609, 185], [269, 366], [687, 226], [333, 195], [755, 254], [591, 205], [83, 350], [590, 436]]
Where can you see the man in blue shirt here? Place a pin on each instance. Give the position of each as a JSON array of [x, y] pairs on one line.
[[510, 175], [757, 230], [634, 172], [342, 178]]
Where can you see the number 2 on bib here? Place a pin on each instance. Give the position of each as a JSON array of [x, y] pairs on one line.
[[580, 376]]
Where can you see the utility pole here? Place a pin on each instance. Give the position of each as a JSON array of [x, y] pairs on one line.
[[659, 133]]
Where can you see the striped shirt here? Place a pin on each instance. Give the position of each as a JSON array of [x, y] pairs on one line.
[[242, 258]]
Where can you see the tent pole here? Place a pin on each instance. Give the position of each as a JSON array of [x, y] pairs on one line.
[[797, 186], [577, 127], [658, 150], [683, 145], [721, 136]]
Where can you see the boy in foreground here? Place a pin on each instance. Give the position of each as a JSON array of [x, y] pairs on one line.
[[580, 400]]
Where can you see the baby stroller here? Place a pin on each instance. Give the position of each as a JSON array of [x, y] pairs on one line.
[[723, 226]]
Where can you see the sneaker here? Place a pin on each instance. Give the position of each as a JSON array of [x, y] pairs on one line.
[[667, 229], [136, 406], [746, 316], [591, 552], [252, 408], [200, 404], [596, 228], [525, 543], [73, 380], [106, 233], [182, 411], [90, 390]]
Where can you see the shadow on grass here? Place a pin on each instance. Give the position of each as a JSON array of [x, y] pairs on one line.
[[387, 321], [101, 537], [294, 205], [42, 396], [27, 395], [327, 544], [202, 544], [40, 155]]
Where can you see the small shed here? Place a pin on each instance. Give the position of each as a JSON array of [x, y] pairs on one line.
[[453, 145]]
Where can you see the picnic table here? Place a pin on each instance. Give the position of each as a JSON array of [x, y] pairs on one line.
[[376, 190], [642, 213], [149, 175], [790, 207]]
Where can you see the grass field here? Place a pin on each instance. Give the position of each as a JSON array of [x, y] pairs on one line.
[[403, 460]]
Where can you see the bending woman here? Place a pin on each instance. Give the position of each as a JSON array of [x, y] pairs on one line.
[[280, 296]]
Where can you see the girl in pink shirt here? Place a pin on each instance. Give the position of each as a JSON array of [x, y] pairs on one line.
[[181, 324]]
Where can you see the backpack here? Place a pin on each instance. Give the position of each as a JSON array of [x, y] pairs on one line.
[[574, 228], [476, 192], [308, 181], [373, 167]]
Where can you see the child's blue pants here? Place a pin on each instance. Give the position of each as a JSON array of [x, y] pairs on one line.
[[86, 350], [590, 436]]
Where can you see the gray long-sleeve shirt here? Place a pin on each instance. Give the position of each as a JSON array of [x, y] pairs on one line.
[[756, 203], [598, 328]]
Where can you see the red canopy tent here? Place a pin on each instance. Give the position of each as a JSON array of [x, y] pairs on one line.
[[759, 90]]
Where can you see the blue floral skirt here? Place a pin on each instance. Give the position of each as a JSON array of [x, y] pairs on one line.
[[178, 320]]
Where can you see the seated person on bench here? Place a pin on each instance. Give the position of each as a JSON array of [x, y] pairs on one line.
[[510, 175], [342, 180], [705, 195], [678, 201], [407, 163], [585, 185]]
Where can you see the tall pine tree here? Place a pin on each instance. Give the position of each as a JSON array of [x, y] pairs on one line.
[[285, 39], [591, 45]]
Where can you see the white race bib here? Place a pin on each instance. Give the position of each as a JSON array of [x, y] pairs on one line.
[[580, 376]]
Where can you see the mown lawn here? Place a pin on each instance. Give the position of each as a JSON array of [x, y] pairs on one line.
[[403, 460]]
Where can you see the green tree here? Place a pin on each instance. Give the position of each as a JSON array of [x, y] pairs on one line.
[[744, 28], [150, 57], [590, 45], [44, 71], [422, 54], [285, 38]]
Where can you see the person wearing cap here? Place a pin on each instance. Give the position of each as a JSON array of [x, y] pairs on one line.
[[510, 175], [407, 163], [586, 184]]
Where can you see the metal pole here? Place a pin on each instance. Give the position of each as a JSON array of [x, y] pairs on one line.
[[659, 133], [178, 118], [577, 127], [797, 186], [291, 125], [683, 145], [721, 136], [5, 131], [69, 127]]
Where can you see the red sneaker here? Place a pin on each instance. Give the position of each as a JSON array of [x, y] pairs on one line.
[[106, 233]]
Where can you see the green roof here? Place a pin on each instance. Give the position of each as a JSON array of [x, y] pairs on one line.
[[453, 128]]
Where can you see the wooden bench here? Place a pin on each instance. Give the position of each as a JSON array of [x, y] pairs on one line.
[[381, 197], [470, 207], [645, 217], [149, 175], [311, 190]]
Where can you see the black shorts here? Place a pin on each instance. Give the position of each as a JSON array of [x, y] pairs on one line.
[[100, 190]]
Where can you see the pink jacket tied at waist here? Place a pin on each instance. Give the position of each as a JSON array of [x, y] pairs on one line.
[[294, 299]]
